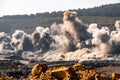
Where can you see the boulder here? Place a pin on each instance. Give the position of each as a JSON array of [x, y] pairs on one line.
[[38, 69], [115, 76], [75, 72]]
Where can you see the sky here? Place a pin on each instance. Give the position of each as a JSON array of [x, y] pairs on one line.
[[19, 7]]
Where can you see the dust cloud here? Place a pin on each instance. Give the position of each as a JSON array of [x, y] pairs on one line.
[[71, 40]]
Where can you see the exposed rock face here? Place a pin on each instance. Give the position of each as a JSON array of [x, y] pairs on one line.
[[75, 72]]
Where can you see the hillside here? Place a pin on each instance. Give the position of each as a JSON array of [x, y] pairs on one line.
[[104, 15]]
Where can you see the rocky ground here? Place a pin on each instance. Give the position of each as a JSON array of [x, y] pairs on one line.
[[20, 69]]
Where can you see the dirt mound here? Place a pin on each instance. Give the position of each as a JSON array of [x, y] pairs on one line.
[[75, 72]]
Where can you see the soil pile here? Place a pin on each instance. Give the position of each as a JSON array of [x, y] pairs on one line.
[[75, 72]]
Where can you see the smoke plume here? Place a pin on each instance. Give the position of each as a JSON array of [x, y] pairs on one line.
[[71, 40]]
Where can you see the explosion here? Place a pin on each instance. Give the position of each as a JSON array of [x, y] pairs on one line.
[[72, 40]]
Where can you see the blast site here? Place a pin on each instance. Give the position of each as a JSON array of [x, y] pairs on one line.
[[71, 50]]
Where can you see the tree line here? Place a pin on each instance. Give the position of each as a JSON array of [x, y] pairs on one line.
[[110, 10], [105, 15]]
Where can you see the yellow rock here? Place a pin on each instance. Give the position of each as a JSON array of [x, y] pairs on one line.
[[38, 69], [115, 76], [76, 72], [62, 72], [47, 76], [78, 67], [59, 73]]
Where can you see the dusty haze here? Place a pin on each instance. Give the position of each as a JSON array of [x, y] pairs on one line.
[[70, 40]]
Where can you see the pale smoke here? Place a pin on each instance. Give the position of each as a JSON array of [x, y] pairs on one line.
[[115, 42], [71, 40], [39, 29], [92, 28], [101, 41], [100, 36], [17, 38], [117, 25], [21, 41], [2, 36], [74, 30], [1, 47], [5, 42], [41, 39]]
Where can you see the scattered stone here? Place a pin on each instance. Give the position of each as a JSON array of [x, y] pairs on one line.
[[75, 72]]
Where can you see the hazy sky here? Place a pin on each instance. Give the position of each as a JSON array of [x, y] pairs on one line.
[[12, 7]]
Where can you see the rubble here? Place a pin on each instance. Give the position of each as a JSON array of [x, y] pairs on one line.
[[75, 72], [115, 76], [38, 69]]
